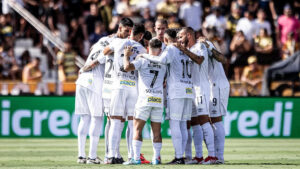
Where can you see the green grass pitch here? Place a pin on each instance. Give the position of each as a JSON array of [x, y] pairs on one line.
[[62, 153]]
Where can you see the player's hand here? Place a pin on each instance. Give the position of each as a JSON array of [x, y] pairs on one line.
[[202, 39], [179, 46], [128, 51]]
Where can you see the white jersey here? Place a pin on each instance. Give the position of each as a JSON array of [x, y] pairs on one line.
[[93, 79], [108, 79], [151, 78], [122, 79], [200, 72], [179, 76], [216, 71]]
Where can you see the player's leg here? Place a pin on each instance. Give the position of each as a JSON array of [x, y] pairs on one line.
[[131, 99], [94, 133], [218, 109], [81, 108], [95, 104], [219, 134], [187, 112], [176, 113], [129, 137], [156, 118], [119, 158], [117, 108], [83, 129], [202, 105], [188, 147], [106, 103]]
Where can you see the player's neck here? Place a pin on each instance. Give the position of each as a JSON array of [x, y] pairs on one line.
[[191, 43]]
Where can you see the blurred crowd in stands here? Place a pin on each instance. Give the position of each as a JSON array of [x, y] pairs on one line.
[[252, 34]]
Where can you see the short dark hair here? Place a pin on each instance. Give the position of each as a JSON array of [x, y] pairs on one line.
[[37, 59], [148, 35], [188, 30], [155, 43], [138, 28], [162, 21], [171, 33], [126, 22]]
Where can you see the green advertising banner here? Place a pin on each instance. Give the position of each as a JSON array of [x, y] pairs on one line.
[[47, 117]]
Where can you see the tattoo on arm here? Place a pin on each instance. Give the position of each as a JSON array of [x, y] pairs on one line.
[[219, 56], [194, 57], [90, 66]]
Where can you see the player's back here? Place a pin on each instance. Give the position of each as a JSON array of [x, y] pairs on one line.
[[200, 72], [151, 77], [179, 74], [94, 78], [216, 72]]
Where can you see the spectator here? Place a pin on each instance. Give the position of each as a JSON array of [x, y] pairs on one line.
[[105, 11], [92, 18], [290, 46], [232, 20], [287, 23], [262, 23], [31, 72], [263, 46], [68, 70], [166, 8], [240, 48], [9, 65], [216, 20], [247, 25], [76, 36], [99, 33], [124, 8], [191, 13], [252, 77]]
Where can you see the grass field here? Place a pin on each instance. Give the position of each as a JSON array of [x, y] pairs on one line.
[[62, 153]]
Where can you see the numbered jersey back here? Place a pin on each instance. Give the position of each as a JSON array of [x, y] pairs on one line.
[[179, 74]]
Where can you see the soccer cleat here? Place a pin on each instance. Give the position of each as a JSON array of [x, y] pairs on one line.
[[220, 161], [209, 160], [81, 160], [195, 160], [143, 159], [177, 161], [111, 160], [156, 161], [94, 161], [132, 162], [119, 160]]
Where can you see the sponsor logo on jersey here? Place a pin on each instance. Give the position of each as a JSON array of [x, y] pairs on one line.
[[127, 82], [154, 100], [189, 91]]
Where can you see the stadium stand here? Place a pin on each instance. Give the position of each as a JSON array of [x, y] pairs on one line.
[[267, 29]]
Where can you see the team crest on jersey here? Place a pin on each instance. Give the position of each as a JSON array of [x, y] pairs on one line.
[[127, 82], [154, 100], [90, 81], [188, 91]]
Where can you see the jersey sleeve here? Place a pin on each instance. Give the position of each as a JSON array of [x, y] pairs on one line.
[[138, 63], [101, 58], [164, 58]]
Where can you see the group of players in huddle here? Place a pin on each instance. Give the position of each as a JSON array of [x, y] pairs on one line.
[[129, 81]]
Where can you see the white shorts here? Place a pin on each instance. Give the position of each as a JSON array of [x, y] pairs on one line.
[[106, 105], [218, 101], [144, 112], [88, 102], [123, 102], [180, 109], [200, 106]]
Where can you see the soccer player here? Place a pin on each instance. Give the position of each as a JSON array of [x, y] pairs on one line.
[[124, 93], [161, 25], [150, 99], [88, 104], [180, 91], [220, 89], [123, 32], [200, 117]]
